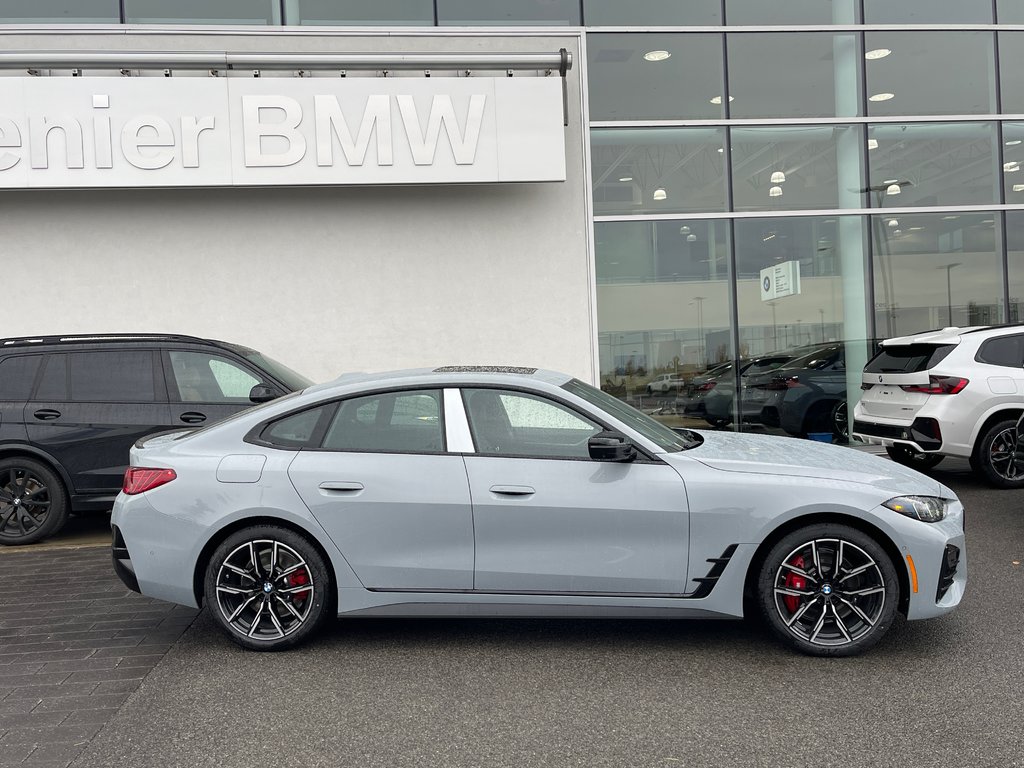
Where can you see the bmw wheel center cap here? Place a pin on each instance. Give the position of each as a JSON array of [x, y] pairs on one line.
[[826, 589]]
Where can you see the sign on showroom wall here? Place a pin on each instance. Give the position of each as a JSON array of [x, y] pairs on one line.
[[65, 132]]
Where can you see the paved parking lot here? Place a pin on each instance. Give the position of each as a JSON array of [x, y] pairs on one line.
[[507, 693]]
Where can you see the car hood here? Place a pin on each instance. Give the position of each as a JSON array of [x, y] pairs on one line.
[[769, 455]]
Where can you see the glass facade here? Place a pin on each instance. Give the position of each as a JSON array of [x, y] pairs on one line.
[[776, 185]]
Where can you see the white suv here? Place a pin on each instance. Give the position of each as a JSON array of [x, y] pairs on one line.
[[952, 392]]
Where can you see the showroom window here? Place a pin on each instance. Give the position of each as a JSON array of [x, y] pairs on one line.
[[932, 164], [928, 11], [936, 270], [1011, 71], [654, 13], [654, 76], [658, 170], [929, 73], [202, 12], [508, 12], [777, 12], [60, 11], [360, 12]]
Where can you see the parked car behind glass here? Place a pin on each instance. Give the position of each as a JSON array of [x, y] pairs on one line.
[[72, 406]]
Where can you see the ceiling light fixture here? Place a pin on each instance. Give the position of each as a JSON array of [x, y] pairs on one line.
[[949, 218], [882, 97], [893, 189], [916, 229], [657, 55], [1018, 187], [684, 230], [1012, 167], [775, 192], [988, 221], [892, 223], [660, 194], [1013, 142], [718, 99], [691, 238], [872, 143], [626, 178], [778, 177], [877, 53]]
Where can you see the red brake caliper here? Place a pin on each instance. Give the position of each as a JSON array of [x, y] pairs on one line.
[[298, 579], [794, 581]]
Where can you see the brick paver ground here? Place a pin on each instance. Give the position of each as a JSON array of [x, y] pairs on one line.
[[74, 644]]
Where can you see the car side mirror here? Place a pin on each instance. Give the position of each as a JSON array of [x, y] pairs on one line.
[[263, 393], [611, 446]]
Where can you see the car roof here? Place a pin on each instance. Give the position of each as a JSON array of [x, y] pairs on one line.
[[107, 338], [455, 375], [950, 335]]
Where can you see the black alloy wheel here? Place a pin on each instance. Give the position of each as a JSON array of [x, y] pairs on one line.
[[996, 457], [840, 423], [828, 590], [908, 457], [268, 588], [33, 504]]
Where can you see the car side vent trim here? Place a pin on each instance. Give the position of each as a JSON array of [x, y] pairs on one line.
[[707, 583]]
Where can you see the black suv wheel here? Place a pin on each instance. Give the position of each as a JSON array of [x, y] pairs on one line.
[[33, 503]]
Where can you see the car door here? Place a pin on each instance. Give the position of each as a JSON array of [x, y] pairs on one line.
[[17, 376], [548, 518], [205, 387], [91, 406], [389, 495]]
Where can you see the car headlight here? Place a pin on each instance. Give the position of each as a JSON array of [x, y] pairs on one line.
[[927, 509]]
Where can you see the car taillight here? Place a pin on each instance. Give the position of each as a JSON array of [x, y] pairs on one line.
[[938, 385], [142, 479], [707, 386], [787, 382]]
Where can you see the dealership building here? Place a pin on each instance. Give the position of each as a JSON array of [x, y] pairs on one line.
[[617, 189]]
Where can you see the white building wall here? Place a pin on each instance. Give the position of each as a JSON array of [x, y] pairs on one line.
[[327, 280]]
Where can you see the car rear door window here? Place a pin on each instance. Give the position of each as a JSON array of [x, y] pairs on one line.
[[908, 358], [394, 422], [522, 424], [116, 376], [17, 375], [1007, 351], [299, 430], [54, 384]]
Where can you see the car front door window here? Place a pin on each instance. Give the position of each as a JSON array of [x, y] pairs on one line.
[[521, 424]]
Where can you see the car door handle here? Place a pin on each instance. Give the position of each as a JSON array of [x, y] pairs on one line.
[[46, 414], [193, 417], [340, 485], [512, 490]]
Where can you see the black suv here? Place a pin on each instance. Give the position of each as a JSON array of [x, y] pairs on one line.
[[72, 406]]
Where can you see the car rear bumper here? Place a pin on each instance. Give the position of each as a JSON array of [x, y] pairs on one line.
[[922, 434]]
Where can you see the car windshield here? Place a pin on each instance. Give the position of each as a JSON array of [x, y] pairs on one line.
[[667, 439], [294, 381]]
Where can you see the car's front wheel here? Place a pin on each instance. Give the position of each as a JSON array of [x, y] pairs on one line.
[[33, 504], [908, 457], [267, 587], [828, 590]]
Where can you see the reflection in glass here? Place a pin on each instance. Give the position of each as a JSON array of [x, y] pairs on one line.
[[360, 12], [639, 13], [632, 165], [755, 12], [508, 12], [935, 270], [932, 164], [928, 12], [663, 309], [1013, 162], [59, 11], [202, 12], [1015, 264], [929, 73], [631, 78], [812, 315], [796, 167], [792, 74]]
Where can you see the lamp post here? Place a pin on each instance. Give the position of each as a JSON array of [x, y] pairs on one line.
[[949, 289]]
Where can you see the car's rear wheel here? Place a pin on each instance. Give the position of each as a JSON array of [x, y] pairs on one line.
[[908, 457], [267, 587], [996, 458], [828, 590], [840, 422], [33, 503]]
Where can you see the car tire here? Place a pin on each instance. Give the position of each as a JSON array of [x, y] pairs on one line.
[[258, 583], [717, 422], [814, 608], [995, 457], [33, 501], [908, 457], [840, 422]]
